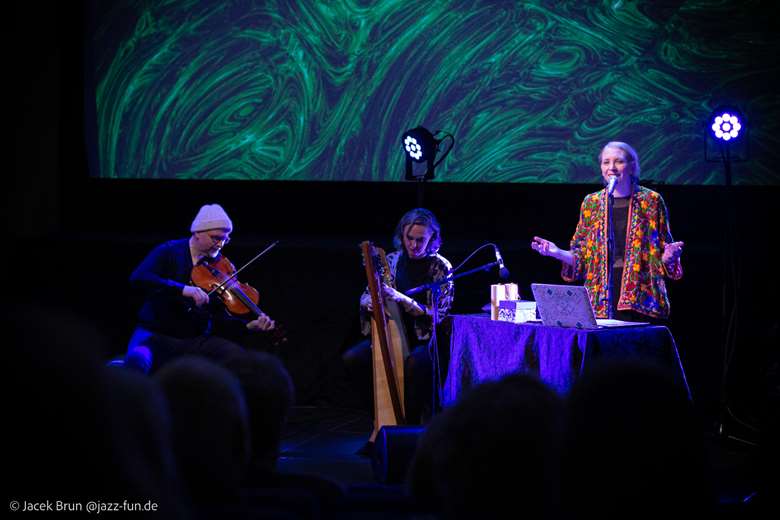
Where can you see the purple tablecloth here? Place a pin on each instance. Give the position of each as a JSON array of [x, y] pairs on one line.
[[481, 350]]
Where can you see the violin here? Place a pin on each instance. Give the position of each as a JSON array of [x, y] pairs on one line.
[[217, 276]]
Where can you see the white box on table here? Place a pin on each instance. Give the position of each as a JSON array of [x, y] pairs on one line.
[[516, 311]]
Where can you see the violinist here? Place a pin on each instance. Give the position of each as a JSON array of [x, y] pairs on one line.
[[178, 317]]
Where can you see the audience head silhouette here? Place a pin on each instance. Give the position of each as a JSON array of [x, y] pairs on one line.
[[496, 448], [269, 394], [633, 446], [80, 432], [210, 427], [59, 412]]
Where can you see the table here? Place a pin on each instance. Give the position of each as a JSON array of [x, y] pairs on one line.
[[481, 350]]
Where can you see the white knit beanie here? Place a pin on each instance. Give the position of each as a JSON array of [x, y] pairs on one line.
[[211, 216]]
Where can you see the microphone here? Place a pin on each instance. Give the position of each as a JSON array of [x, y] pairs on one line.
[[503, 272], [611, 184]]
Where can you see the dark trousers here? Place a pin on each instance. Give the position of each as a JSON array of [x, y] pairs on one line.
[[419, 392], [147, 351]]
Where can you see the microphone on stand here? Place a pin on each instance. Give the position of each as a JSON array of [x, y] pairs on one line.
[[610, 241], [611, 184], [503, 272]]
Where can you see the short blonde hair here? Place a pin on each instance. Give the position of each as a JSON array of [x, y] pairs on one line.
[[631, 155]]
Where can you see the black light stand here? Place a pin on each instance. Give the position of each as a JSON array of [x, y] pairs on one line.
[[730, 286], [419, 178]]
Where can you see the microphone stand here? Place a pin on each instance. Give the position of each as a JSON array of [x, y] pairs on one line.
[[448, 279], [433, 346]]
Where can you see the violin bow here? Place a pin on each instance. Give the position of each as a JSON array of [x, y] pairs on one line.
[[232, 276]]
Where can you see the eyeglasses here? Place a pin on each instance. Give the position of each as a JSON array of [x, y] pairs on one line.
[[216, 239]]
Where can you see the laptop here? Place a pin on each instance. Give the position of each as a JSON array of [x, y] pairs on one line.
[[569, 306]]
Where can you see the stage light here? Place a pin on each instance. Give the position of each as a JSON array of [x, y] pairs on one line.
[[726, 137], [419, 143], [413, 148], [421, 146], [726, 125]]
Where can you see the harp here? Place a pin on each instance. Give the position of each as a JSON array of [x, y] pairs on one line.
[[389, 346]]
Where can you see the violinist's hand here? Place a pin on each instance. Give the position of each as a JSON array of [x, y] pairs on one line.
[[197, 294], [261, 323], [409, 304]]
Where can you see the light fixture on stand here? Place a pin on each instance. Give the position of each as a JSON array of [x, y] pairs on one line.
[[726, 141], [727, 138], [420, 149]]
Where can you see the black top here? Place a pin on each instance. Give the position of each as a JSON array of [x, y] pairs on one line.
[[620, 218], [161, 277], [620, 221], [411, 273]]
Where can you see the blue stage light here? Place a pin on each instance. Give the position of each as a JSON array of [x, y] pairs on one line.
[[726, 124]]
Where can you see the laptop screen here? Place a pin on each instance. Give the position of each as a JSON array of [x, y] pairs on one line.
[[564, 305]]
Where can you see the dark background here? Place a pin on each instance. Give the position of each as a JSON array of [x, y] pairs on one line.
[[76, 239]]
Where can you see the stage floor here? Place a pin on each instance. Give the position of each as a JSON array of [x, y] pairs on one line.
[[325, 441]]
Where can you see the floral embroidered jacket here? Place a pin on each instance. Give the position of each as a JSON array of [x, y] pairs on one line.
[[642, 288], [423, 325]]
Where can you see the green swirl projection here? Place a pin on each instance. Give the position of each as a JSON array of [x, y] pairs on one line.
[[323, 90]]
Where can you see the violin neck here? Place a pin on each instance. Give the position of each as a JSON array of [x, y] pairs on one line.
[[246, 300]]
